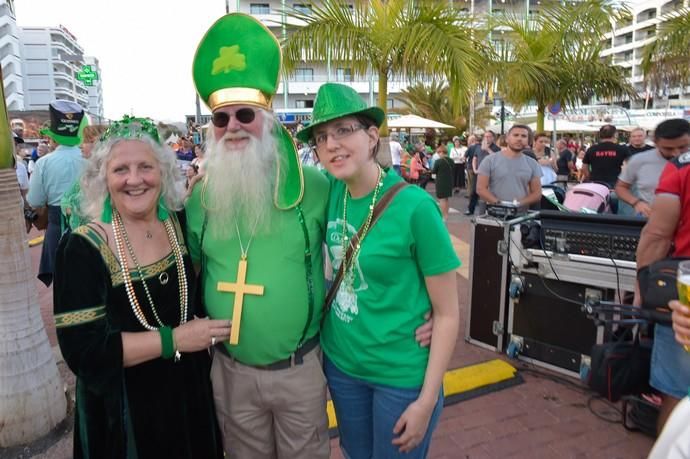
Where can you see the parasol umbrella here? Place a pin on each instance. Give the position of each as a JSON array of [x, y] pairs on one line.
[[414, 121]]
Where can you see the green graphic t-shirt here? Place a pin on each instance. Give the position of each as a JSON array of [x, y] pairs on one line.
[[369, 331]]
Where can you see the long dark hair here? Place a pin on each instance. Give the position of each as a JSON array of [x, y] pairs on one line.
[[367, 123]]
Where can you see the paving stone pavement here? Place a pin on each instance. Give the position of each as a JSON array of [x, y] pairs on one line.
[[541, 418]]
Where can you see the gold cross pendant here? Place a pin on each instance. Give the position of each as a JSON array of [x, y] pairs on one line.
[[239, 288]]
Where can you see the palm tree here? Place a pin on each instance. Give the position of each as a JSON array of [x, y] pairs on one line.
[[434, 101], [32, 401], [666, 61], [554, 57], [389, 37]]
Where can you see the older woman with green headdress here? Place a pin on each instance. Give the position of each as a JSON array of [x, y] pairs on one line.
[[124, 319]]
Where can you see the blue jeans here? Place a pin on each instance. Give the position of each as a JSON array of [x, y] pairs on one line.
[[367, 413], [670, 367], [396, 168]]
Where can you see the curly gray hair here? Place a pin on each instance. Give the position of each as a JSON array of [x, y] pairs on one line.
[[93, 183]]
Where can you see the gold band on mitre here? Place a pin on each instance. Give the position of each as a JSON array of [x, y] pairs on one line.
[[231, 96]]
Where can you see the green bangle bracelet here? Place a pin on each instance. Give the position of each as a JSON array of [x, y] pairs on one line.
[[167, 345]]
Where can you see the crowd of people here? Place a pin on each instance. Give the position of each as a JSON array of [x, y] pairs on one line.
[[183, 348]]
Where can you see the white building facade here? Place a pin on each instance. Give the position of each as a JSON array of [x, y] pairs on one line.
[[95, 91], [625, 45], [300, 90], [51, 62], [10, 57]]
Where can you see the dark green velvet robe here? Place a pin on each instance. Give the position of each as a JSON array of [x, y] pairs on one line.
[[159, 408]]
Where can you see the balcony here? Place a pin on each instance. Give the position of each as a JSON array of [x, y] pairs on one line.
[[62, 76], [673, 5], [646, 15]]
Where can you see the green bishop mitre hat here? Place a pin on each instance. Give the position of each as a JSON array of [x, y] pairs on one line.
[[237, 62], [335, 100]]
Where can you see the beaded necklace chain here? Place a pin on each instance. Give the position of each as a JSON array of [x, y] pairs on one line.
[[367, 222], [121, 239]]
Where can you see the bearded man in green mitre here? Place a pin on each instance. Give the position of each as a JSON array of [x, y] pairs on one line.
[[255, 230], [255, 225]]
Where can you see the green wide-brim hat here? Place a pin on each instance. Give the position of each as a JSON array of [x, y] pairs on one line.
[[67, 123], [335, 101], [237, 62]]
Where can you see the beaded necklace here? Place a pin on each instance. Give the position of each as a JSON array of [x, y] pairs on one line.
[[121, 239], [367, 222]]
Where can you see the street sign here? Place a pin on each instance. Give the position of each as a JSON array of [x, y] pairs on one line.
[[555, 108], [87, 75]]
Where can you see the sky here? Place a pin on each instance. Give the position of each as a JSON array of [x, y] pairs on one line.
[[145, 48]]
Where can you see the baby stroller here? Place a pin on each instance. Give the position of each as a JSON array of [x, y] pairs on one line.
[[588, 197]]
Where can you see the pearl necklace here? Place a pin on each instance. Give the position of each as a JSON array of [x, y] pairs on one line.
[[121, 239], [367, 222]]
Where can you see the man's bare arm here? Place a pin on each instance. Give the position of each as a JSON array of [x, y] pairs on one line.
[[534, 192], [585, 172], [657, 234], [483, 189]]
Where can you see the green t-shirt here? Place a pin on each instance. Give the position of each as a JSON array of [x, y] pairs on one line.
[[272, 324], [369, 331]]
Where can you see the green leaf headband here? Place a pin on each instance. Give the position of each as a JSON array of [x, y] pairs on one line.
[[130, 127]]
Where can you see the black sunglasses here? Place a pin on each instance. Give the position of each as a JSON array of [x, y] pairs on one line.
[[243, 115]]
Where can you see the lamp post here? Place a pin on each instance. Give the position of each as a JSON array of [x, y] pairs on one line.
[[502, 112]]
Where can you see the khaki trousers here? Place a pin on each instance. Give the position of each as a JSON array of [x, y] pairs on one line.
[[272, 414]]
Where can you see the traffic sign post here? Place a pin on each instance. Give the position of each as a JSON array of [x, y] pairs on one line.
[[554, 109]]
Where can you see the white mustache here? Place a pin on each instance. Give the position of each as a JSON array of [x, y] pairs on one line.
[[236, 135]]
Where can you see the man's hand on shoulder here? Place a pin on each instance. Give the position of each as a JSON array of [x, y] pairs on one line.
[[193, 182]]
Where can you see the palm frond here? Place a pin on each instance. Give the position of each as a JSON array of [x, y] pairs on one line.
[[405, 38], [666, 61]]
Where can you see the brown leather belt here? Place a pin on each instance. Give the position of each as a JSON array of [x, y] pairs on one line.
[[295, 359]]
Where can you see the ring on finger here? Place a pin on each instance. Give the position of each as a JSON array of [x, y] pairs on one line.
[[213, 341]]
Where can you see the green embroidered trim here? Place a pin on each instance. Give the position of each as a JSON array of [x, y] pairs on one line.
[[95, 238], [83, 316], [148, 271], [111, 262]]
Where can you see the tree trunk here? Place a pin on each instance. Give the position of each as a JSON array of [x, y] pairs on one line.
[[384, 154], [32, 398], [541, 113]]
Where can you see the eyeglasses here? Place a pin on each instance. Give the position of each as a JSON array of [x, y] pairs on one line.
[[243, 115], [338, 133]]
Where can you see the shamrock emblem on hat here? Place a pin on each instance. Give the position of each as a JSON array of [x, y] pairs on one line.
[[229, 59]]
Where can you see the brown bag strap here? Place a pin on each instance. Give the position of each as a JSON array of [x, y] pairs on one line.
[[378, 210]]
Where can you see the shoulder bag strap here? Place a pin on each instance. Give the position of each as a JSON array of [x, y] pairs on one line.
[[378, 210]]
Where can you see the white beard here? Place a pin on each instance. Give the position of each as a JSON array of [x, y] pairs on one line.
[[240, 184]]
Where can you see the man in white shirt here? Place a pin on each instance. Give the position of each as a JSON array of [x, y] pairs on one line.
[[396, 150]]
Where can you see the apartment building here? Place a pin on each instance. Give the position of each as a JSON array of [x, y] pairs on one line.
[[625, 46], [297, 93], [10, 57], [52, 61], [95, 91]]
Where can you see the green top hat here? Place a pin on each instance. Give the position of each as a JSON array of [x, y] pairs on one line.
[[237, 62], [334, 101], [67, 122]]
